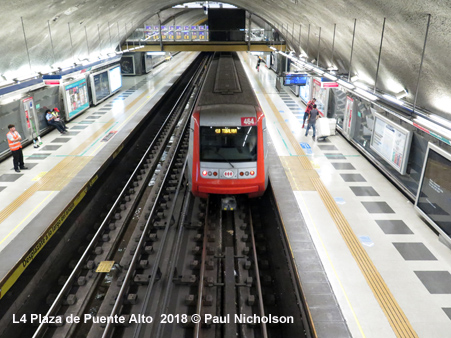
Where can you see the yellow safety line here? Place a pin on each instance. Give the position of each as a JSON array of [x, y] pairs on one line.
[[26, 217], [395, 315], [333, 266]]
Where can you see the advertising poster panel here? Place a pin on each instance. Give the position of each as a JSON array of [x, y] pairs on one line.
[[347, 120], [434, 195], [391, 142], [115, 79], [100, 86], [76, 98], [321, 95], [127, 65]]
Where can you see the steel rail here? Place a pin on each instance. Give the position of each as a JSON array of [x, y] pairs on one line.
[[257, 277], [197, 327], [137, 253], [68, 285]]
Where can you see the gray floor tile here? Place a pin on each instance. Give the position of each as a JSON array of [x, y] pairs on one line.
[[353, 178], [1, 188], [327, 147], [343, 166], [436, 282], [332, 156], [447, 311], [414, 252], [100, 112], [364, 191], [394, 227], [28, 164], [78, 127], [10, 177], [50, 147], [71, 133], [106, 109], [94, 117], [61, 140], [39, 156], [378, 208], [85, 122]]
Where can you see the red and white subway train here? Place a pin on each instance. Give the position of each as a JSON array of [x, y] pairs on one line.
[[227, 147]]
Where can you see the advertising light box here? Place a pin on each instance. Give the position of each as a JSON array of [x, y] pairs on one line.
[[100, 86], [115, 79], [391, 142], [434, 194], [75, 97]]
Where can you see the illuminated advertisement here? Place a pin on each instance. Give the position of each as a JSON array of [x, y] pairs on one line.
[[434, 195], [100, 87], [115, 79], [304, 91], [128, 65], [178, 35], [75, 98], [321, 95], [391, 142], [347, 121], [201, 35], [194, 35]]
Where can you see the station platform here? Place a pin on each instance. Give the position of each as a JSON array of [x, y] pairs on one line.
[[369, 266], [35, 202], [355, 239]]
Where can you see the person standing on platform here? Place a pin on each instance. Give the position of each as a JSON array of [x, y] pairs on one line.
[[15, 146], [313, 116], [53, 121], [308, 109]]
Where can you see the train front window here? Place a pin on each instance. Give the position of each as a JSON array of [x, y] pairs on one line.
[[230, 144]]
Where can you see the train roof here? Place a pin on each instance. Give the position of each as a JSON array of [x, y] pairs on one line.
[[227, 82]]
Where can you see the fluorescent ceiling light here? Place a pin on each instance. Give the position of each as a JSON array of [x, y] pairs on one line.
[[441, 120], [318, 71], [361, 85], [354, 78], [393, 99], [365, 94], [156, 53], [274, 49], [330, 77], [431, 126], [401, 95], [345, 84]]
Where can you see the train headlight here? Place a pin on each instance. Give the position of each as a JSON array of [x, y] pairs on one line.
[[241, 173], [252, 173], [215, 173], [204, 173], [247, 173], [209, 173]]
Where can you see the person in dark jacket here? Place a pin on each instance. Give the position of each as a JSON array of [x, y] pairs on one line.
[[313, 116]]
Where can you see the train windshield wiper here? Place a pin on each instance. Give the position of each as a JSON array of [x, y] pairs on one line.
[[217, 153]]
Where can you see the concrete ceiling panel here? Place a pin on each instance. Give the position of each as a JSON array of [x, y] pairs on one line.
[[101, 25]]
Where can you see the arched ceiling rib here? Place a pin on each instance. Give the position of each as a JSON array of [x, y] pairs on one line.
[[107, 22]]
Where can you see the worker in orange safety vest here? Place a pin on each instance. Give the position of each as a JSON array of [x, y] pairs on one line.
[[15, 146]]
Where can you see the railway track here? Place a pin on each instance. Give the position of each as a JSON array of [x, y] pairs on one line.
[[163, 263]]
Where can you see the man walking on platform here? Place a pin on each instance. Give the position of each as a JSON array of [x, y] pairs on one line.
[[14, 139]]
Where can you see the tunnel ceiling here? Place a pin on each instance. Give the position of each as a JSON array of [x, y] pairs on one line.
[[98, 26]]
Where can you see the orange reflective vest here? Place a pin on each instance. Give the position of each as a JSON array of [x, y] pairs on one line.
[[15, 144]]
